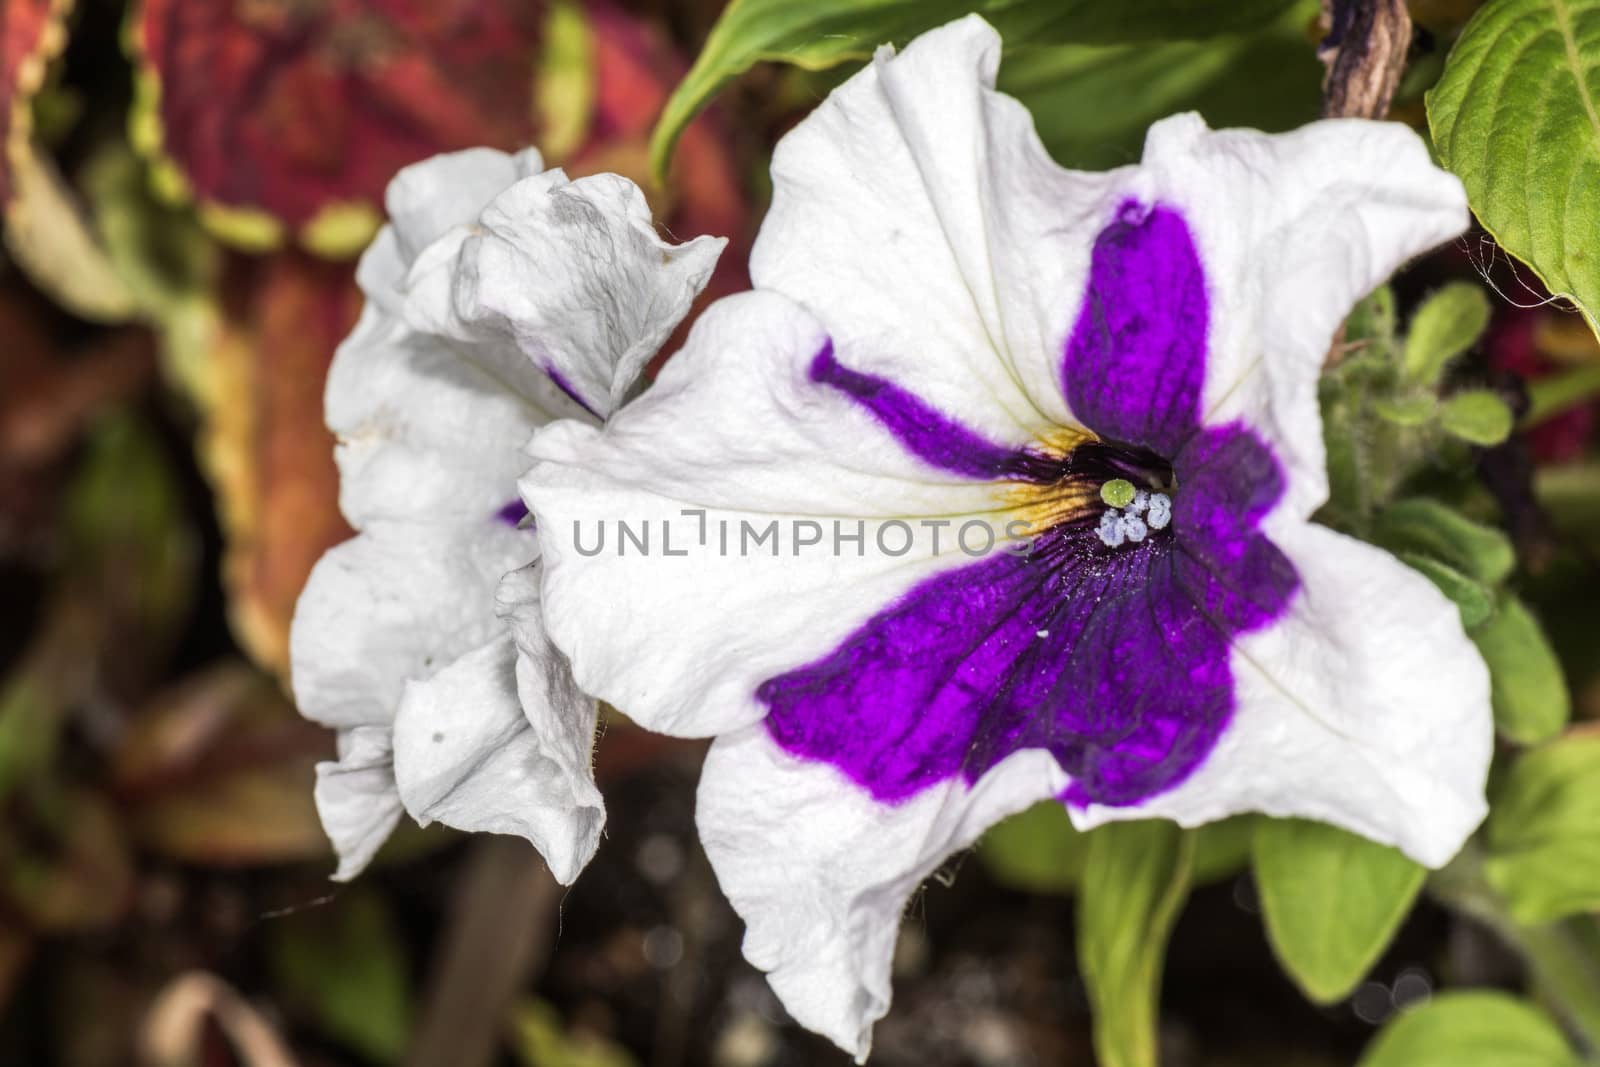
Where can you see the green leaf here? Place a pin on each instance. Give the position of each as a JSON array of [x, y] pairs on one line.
[[1406, 410], [1268, 79], [1544, 831], [1471, 597], [1373, 321], [1434, 529], [1531, 702], [1135, 879], [1471, 1029], [1477, 416], [345, 964], [1516, 115], [822, 33], [539, 1040], [1446, 325], [1332, 901], [1037, 850], [1222, 849]]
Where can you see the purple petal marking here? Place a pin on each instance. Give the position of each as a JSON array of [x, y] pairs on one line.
[[572, 394], [1135, 364], [1116, 661], [513, 513], [929, 434]]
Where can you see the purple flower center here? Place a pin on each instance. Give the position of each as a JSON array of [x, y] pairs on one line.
[[1114, 659]]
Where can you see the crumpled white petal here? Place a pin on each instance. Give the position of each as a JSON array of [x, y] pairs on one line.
[[821, 873], [432, 409], [1367, 707], [570, 273], [356, 798], [500, 742]]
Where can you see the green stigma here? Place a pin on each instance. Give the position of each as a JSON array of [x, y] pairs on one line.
[[1117, 493]]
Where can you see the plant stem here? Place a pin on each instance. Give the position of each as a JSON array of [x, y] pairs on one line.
[[1563, 958]]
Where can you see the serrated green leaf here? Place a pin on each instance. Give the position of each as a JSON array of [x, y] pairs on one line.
[[821, 33], [1477, 416], [1470, 596], [1037, 850], [1471, 1029], [1432, 528], [345, 964], [1331, 900], [1544, 831], [1516, 115], [1135, 880], [1446, 325], [1531, 702]]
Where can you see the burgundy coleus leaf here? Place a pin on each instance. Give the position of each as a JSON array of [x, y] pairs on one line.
[[265, 447], [31, 34], [295, 115]]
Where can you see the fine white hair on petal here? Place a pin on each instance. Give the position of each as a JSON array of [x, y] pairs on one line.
[[821, 873], [1367, 707], [500, 741]]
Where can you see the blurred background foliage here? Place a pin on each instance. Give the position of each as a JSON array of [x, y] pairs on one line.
[[185, 185]]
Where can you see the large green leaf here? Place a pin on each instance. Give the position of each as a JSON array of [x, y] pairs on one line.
[[822, 33], [1516, 115], [1036, 850], [1135, 880], [1093, 103], [1531, 702], [1471, 1030], [1544, 831], [1332, 901]]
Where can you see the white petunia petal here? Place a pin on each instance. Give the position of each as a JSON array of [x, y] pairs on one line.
[[399, 601], [428, 431], [356, 798], [573, 275], [1366, 707], [1292, 230], [821, 873], [735, 428], [916, 213], [500, 742], [428, 198]]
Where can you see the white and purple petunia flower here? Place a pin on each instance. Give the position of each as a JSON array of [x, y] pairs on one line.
[[997, 489], [499, 297]]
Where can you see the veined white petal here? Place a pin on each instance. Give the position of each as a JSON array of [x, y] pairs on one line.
[[821, 873], [356, 798], [500, 741], [1366, 707], [733, 439], [1292, 230], [916, 213]]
